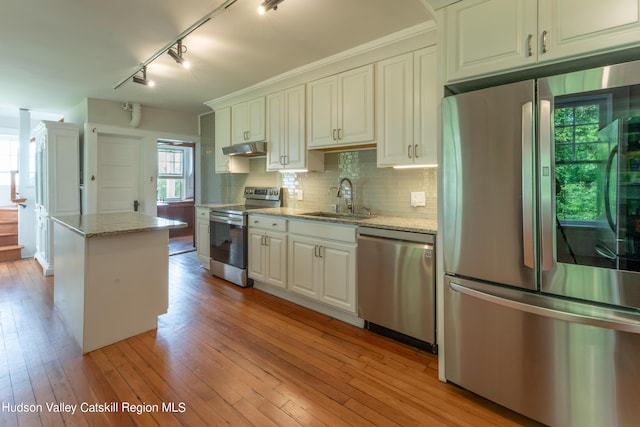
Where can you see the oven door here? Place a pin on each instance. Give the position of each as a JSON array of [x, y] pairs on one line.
[[228, 239]]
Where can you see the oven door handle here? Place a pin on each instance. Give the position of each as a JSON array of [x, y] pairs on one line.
[[226, 220]]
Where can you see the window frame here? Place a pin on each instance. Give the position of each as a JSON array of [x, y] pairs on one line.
[[174, 176], [604, 101]]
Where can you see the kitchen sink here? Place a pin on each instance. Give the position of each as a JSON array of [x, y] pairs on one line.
[[338, 215]]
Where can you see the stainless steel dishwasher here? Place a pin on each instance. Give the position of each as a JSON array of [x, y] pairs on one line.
[[396, 285]]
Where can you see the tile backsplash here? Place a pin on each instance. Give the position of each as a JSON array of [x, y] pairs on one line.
[[385, 191]]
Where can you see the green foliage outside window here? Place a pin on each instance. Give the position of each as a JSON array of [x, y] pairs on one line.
[[580, 161]]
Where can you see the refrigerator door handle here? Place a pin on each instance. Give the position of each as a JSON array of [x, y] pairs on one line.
[[612, 321], [527, 184], [546, 206]]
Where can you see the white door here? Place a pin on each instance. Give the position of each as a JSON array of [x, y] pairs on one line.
[[118, 173]]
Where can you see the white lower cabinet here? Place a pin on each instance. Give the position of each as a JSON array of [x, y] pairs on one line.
[[268, 250], [202, 236], [322, 263]]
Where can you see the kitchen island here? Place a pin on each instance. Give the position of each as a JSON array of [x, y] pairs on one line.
[[112, 275]]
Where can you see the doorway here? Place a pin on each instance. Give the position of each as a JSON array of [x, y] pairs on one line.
[[176, 191]]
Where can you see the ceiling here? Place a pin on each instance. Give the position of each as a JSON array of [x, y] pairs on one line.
[[57, 53]]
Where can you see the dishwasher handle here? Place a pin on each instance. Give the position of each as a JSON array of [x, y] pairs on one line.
[[407, 236]]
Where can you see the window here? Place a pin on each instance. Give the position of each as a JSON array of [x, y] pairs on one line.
[[9, 148], [580, 156], [175, 173]]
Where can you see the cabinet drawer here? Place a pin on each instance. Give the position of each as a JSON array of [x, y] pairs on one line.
[[202, 214], [267, 222], [322, 230]]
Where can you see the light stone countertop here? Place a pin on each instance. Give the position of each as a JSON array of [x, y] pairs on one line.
[[415, 225], [99, 225]]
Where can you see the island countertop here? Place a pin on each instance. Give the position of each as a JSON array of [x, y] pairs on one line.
[[98, 225]]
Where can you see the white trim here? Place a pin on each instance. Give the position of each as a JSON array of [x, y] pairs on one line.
[[272, 84]]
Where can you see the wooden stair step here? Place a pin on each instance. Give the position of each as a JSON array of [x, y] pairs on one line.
[[8, 239], [12, 252], [8, 214], [8, 227]]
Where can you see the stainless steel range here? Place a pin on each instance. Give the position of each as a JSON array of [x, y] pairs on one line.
[[228, 233]]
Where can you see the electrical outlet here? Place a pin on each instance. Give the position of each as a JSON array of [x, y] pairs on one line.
[[300, 194], [418, 199]]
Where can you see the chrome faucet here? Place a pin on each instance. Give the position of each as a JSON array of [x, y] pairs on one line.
[[348, 201]]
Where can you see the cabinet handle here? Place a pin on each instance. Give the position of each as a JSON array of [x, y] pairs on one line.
[[320, 251], [529, 52], [266, 240], [315, 251], [415, 151], [334, 135], [340, 133], [409, 151], [544, 41]]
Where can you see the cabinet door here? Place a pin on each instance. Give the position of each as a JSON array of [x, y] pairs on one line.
[[338, 275], [355, 106], [256, 264], [276, 131], [224, 163], [222, 138], [425, 106], [255, 120], [295, 128], [394, 88], [276, 259], [302, 266], [321, 112], [576, 27], [239, 123], [487, 36], [202, 236]]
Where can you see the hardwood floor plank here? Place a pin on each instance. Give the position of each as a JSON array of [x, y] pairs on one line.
[[232, 356]]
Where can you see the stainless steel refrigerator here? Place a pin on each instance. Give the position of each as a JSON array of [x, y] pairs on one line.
[[541, 196]]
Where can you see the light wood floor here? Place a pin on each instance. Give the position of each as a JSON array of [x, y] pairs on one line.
[[231, 356]]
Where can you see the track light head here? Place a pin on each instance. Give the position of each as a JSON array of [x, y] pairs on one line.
[[176, 54], [143, 80], [267, 5]]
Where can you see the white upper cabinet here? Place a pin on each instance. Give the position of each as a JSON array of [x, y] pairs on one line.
[[485, 37], [571, 27], [340, 109], [406, 109], [248, 121], [286, 144], [224, 163]]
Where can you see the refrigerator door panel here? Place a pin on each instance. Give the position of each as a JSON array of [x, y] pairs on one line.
[[488, 202], [589, 184], [556, 361]]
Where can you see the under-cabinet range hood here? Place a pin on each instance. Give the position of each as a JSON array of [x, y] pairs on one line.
[[246, 149]]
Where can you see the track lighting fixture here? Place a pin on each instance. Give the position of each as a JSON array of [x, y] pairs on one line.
[[143, 80], [176, 54], [267, 5]]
